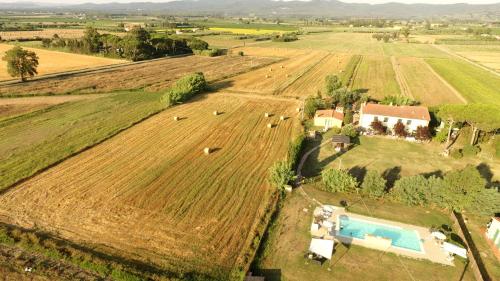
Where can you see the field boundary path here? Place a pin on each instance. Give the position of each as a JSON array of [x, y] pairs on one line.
[[403, 84], [441, 48], [354, 73], [299, 172], [452, 89], [90, 70]]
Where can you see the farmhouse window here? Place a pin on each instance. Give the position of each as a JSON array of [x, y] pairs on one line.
[[400, 120], [408, 122], [375, 119], [386, 119]]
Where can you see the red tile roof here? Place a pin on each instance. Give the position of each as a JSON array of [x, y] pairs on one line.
[[408, 112], [330, 113]]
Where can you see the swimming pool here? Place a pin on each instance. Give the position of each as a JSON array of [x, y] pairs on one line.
[[403, 238]]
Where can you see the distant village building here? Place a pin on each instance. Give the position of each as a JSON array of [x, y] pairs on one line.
[[329, 118], [411, 116], [493, 232], [130, 26]]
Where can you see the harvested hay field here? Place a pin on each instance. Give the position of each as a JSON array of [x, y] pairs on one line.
[[151, 194], [275, 78], [270, 52], [47, 33], [314, 80], [425, 85], [54, 62], [153, 75], [376, 76]]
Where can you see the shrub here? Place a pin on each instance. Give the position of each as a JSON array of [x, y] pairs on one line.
[[209, 52], [456, 154], [378, 127], [400, 130], [462, 187], [241, 53], [411, 190], [336, 130], [423, 133], [349, 130], [185, 88], [348, 117], [470, 150], [197, 44], [373, 185], [338, 181], [294, 149], [280, 174], [5, 238], [442, 135]]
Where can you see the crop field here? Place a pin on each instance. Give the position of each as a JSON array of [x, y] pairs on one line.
[[487, 55], [475, 84], [224, 41], [53, 62], [376, 76], [424, 85], [402, 49], [247, 30], [352, 43], [314, 80], [153, 75], [271, 52], [150, 192], [276, 77]]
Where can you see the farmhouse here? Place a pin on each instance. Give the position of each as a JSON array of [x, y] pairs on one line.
[[329, 118], [411, 116], [493, 232]]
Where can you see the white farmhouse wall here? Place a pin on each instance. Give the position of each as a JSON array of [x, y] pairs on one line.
[[366, 120]]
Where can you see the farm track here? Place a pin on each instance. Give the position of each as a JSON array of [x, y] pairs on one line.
[[138, 185], [354, 73], [441, 48], [153, 76], [400, 78]]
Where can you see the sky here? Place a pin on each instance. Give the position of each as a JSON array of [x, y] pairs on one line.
[[350, 1]]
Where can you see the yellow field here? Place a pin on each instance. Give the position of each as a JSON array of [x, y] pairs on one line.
[[150, 193], [247, 31], [276, 77], [53, 62], [488, 59]]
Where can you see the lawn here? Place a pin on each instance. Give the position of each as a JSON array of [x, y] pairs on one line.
[[475, 84], [290, 240], [36, 140], [151, 194], [53, 62], [376, 76], [395, 158]]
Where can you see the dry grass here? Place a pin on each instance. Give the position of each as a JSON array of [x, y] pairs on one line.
[[276, 77], [314, 80], [271, 52], [46, 33], [488, 59], [53, 62], [424, 85], [376, 76], [154, 76], [150, 193]]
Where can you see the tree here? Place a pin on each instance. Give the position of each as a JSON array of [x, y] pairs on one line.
[[349, 130], [21, 63], [136, 45], [197, 44], [332, 84], [423, 133], [348, 116], [280, 174], [411, 190], [338, 181], [185, 88], [91, 40], [386, 37], [398, 100], [462, 187], [406, 33], [374, 185], [378, 127], [399, 129], [311, 105]]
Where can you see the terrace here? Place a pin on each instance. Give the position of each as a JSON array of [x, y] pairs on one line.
[[335, 223]]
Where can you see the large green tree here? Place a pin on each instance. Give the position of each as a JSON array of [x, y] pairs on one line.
[[136, 45], [91, 40], [21, 63], [338, 181], [374, 185]]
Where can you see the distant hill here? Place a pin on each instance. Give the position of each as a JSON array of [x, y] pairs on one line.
[[330, 8]]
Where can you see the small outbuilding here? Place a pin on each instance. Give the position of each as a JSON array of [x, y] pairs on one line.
[[341, 142], [493, 232], [321, 248], [329, 118]]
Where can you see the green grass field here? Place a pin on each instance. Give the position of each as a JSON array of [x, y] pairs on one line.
[[376, 76], [475, 84], [285, 259], [36, 140]]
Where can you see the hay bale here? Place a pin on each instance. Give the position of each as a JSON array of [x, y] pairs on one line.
[[271, 69], [282, 66], [207, 150], [298, 109], [216, 113], [267, 76], [269, 125], [282, 118], [267, 114], [176, 118]]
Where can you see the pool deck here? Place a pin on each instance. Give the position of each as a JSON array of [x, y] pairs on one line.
[[431, 248]]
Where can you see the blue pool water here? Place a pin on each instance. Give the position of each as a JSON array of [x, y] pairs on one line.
[[402, 238]]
